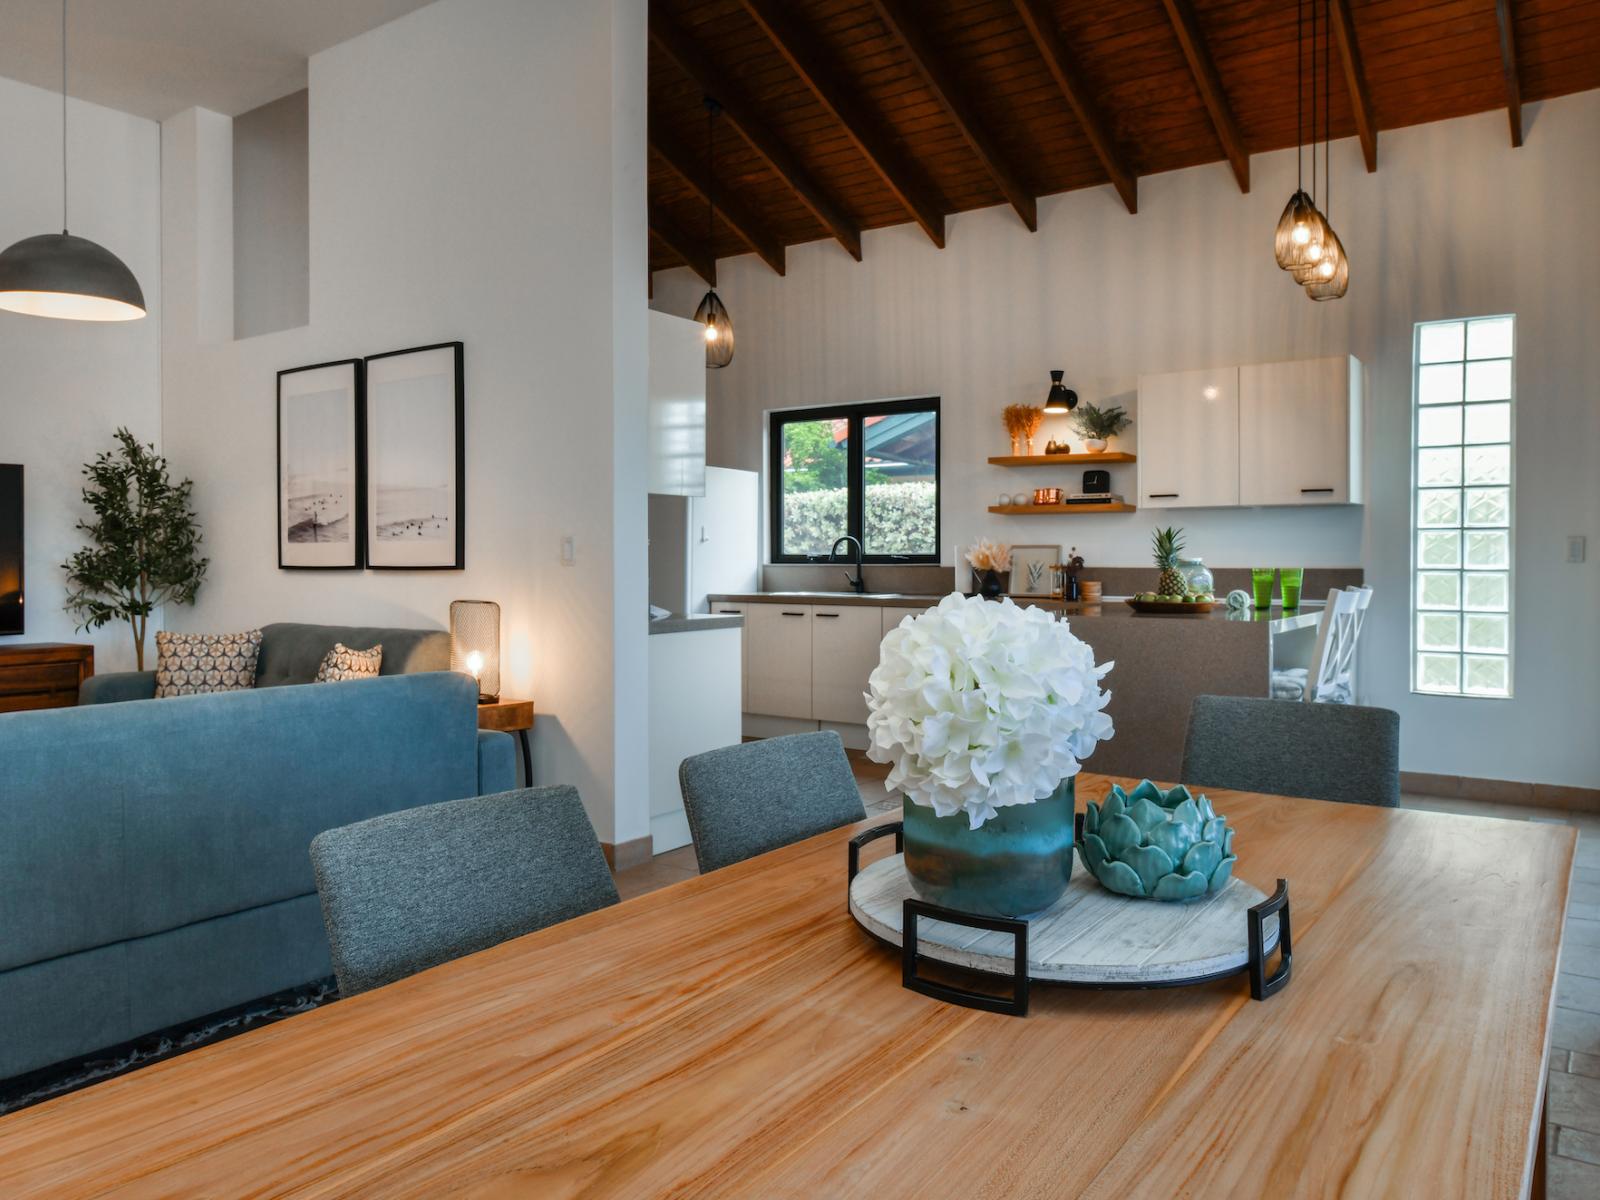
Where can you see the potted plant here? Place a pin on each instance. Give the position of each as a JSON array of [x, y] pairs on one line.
[[985, 713], [146, 549], [1098, 424], [991, 568]]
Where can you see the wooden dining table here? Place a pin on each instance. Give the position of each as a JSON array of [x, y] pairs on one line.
[[738, 1035]]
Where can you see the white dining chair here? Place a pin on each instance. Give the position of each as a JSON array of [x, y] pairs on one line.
[[1332, 680]]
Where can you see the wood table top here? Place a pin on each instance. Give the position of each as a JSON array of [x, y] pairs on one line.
[[738, 1035]]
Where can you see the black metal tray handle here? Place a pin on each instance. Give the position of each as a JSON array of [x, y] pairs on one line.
[[1016, 1005], [898, 828], [1260, 985]]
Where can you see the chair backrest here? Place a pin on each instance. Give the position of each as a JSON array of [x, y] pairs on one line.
[[1336, 643], [413, 889], [745, 800], [1338, 752]]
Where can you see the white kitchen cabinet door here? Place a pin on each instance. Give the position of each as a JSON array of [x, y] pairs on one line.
[[1300, 432], [1188, 423], [844, 649], [719, 606], [778, 645]]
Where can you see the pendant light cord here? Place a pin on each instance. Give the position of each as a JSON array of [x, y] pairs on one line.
[[1327, 113], [1300, 95], [63, 118], [711, 178]]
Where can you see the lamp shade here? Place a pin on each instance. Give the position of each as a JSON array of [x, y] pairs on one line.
[[1331, 278], [475, 644], [1295, 231], [60, 275], [1061, 399], [713, 315]]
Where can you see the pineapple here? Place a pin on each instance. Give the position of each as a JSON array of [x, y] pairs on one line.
[[1168, 545]]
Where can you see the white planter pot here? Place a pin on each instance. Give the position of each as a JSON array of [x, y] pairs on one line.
[[1094, 445]]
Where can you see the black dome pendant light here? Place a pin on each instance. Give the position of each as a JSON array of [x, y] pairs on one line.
[[713, 313], [59, 275]]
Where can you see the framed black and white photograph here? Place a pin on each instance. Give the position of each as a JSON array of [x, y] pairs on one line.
[[416, 499], [321, 501], [1030, 570]]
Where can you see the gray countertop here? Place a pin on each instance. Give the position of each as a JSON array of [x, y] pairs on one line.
[[695, 622]]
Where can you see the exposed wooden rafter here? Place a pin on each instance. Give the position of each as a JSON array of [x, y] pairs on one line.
[[685, 245], [1204, 70], [1042, 28], [1355, 81], [1508, 60], [911, 31], [811, 61], [741, 112], [691, 169]]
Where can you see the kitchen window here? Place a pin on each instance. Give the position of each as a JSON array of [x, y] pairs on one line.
[[867, 470], [1461, 508]]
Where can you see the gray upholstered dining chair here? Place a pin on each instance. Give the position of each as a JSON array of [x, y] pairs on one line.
[[745, 800], [1341, 752], [415, 888]]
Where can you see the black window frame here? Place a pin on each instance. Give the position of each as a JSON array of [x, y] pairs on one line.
[[854, 474]]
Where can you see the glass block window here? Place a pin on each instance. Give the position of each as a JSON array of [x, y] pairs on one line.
[[1462, 508]]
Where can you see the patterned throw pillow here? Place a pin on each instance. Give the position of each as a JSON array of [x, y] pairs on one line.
[[344, 663], [188, 664]]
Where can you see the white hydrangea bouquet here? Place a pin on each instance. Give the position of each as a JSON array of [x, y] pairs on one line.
[[980, 705]]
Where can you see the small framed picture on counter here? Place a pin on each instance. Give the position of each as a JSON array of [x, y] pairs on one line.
[[1030, 570]]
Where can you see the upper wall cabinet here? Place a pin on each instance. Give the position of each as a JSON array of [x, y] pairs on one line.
[[1276, 433], [677, 399], [1189, 439], [1300, 432]]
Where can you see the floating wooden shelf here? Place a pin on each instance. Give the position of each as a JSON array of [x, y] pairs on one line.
[[1056, 460], [1023, 510]]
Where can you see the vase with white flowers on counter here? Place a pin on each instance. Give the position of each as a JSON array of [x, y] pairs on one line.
[[985, 713]]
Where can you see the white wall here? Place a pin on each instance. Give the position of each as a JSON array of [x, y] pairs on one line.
[[65, 386], [476, 173], [271, 218], [1454, 223]]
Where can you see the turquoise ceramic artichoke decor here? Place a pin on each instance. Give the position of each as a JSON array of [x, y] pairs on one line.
[[1161, 845]]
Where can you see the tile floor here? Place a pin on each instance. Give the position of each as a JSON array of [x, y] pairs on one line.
[[1573, 1102]]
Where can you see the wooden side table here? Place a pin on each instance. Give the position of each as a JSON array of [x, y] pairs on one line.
[[511, 716], [43, 674]]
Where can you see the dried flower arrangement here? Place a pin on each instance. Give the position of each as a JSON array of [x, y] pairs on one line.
[[989, 556], [1022, 422]]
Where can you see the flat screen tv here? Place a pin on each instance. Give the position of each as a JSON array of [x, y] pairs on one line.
[[10, 549]]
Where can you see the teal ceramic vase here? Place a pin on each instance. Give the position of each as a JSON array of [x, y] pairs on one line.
[[1015, 864], [1158, 845]]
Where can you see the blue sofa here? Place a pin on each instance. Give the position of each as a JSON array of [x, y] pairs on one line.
[[291, 653], [154, 858]]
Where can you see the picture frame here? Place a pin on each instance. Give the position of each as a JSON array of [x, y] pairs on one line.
[[1031, 576], [416, 459], [321, 433]]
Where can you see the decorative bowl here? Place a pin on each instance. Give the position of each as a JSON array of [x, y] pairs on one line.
[[1157, 845]]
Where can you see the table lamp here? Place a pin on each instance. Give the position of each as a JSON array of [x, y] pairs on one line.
[[475, 644]]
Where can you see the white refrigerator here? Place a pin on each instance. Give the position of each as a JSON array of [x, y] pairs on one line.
[[705, 544]]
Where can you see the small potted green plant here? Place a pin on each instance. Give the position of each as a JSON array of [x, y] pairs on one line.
[[1098, 424]]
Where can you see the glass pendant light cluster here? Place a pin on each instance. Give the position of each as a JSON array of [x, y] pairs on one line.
[[713, 313], [1305, 243], [59, 275]]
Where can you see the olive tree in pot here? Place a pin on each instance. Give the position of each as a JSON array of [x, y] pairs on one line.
[[145, 542]]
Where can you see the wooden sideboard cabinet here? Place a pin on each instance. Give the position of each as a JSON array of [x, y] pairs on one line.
[[43, 674]]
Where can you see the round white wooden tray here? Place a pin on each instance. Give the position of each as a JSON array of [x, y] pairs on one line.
[[1090, 937]]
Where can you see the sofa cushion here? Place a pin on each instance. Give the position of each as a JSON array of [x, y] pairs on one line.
[[342, 663], [195, 664], [291, 652], [123, 820]]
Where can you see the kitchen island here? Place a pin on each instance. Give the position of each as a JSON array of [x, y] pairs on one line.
[[1162, 663]]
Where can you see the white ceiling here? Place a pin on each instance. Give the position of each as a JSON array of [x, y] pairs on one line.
[[159, 57]]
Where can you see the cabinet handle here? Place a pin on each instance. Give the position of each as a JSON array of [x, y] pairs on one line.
[[1162, 495], [1314, 491], [732, 612], [790, 614], [829, 616]]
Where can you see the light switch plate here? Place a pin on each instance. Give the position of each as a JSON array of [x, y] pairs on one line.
[[569, 550], [1577, 547]]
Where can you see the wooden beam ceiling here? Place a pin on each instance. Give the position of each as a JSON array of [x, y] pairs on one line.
[[907, 26], [812, 62], [1508, 61], [1042, 29], [1209, 82], [691, 168], [694, 252], [741, 112], [1355, 81]]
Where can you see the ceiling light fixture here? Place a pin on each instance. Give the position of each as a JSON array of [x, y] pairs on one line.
[[59, 275], [713, 313], [1329, 277]]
